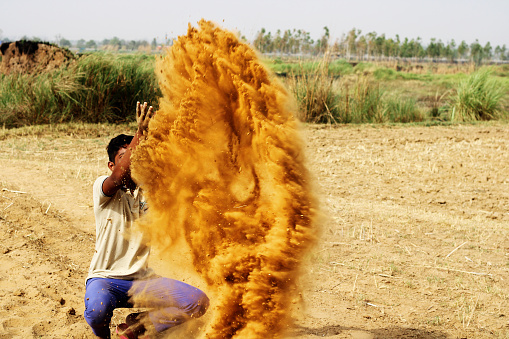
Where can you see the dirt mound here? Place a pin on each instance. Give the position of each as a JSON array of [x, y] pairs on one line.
[[32, 57]]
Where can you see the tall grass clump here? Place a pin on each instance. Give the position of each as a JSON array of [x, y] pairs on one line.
[[402, 110], [95, 88], [477, 98], [360, 102], [315, 95], [31, 99], [113, 84]]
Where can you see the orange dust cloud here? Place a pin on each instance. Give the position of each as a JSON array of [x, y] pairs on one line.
[[223, 167]]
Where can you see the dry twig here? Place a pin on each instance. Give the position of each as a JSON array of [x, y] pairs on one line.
[[7, 190], [454, 250]]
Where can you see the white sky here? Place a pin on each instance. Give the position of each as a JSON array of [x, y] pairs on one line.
[[485, 20]]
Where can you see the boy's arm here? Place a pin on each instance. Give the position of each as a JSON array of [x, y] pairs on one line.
[[121, 174]]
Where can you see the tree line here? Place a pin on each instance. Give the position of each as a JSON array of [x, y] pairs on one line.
[[371, 46], [113, 44], [352, 45]]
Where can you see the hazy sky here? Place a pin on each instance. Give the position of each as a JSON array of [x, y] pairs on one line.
[[485, 20]]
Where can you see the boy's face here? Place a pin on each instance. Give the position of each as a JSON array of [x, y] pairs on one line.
[[111, 165], [118, 156]]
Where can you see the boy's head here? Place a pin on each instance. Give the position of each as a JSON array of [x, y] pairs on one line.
[[118, 142]]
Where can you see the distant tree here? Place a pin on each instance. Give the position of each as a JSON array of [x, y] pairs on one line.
[[323, 43], [132, 45], [390, 48], [487, 50], [351, 37], [258, 41], [115, 43], [91, 44], [268, 43], [379, 45], [277, 41], [307, 42], [81, 43], [105, 42], [57, 39], [419, 51], [336, 47], [435, 48], [287, 41], [371, 41], [154, 44], [406, 49], [450, 51], [297, 44], [476, 52], [503, 55], [65, 43], [362, 46], [463, 49], [396, 46]]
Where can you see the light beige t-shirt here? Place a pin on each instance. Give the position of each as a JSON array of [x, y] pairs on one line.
[[119, 251]]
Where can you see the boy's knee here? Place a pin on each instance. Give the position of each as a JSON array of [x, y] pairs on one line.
[[201, 305], [97, 316], [98, 309]]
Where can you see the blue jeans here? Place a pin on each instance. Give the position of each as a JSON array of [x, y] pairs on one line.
[[171, 302]]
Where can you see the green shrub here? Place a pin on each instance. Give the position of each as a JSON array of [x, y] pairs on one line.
[[314, 93], [340, 67], [385, 74], [402, 110], [477, 98], [361, 102]]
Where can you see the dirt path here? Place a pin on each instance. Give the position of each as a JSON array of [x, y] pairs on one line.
[[415, 239]]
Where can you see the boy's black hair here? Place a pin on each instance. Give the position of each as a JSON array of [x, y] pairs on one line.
[[116, 144]]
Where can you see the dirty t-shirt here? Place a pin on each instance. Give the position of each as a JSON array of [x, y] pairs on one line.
[[119, 251]]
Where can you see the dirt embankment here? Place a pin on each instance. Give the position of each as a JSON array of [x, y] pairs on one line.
[[32, 57]]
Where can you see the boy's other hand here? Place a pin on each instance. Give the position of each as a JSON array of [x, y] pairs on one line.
[[143, 115]]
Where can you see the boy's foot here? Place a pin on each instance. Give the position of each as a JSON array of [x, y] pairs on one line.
[[135, 318], [124, 331]]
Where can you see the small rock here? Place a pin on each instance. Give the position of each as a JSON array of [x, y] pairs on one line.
[[19, 293]]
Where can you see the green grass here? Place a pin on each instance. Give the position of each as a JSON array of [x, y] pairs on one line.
[[334, 68], [315, 94], [402, 110], [102, 87], [95, 88], [361, 102], [373, 94], [477, 98]]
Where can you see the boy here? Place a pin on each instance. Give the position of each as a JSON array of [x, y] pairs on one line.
[[119, 273]]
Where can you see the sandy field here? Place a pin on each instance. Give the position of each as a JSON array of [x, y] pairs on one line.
[[414, 240]]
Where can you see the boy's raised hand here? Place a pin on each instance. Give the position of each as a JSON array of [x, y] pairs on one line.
[[143, 115]]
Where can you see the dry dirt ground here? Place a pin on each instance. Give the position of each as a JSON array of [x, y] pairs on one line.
[[414, 237]]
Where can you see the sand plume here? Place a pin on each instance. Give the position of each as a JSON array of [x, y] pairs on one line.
[[223, 167]]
